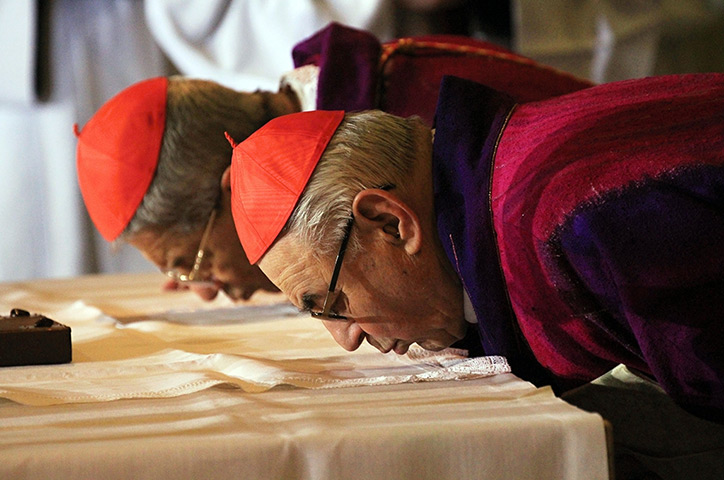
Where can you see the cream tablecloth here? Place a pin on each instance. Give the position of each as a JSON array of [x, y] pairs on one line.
[[165, 386]]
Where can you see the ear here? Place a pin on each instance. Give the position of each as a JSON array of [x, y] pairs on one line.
[[384, 214], [226, 179]]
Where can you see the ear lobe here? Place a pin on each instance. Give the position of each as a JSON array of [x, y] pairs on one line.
[[226, 179], [384, 214]]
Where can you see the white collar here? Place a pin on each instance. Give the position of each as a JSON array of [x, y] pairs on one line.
[[468, 311], [303, 82]]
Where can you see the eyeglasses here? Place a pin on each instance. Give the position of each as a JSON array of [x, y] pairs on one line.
[[191, 277], [326, 314]]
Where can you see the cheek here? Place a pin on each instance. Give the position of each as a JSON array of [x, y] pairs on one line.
[[391, 316], [383, 305], [386, 319]]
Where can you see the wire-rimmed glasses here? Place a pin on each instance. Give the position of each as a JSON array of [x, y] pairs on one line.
[[191, 276], [326, 314]]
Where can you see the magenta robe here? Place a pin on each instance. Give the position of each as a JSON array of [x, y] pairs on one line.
[[599, 239]]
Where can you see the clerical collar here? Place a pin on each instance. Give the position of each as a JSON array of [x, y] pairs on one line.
[[303, 82], [468, 311]]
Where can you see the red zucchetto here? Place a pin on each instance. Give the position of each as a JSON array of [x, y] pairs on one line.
[[117, 154], [269, 171]]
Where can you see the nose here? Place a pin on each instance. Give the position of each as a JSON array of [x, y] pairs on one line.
[[346, 333]]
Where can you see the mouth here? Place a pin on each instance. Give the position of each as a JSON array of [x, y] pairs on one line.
[[236, 293], [208, 289], [382, 346], [401, 347]]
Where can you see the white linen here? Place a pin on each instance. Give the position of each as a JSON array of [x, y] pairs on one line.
[[491, 428], [167, 361], [496, 427]]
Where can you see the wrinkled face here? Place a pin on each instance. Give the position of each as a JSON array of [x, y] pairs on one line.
[[388, 299], [225, 265]]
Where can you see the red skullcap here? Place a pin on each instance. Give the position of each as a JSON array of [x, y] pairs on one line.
[[269, 171], [118, 152]]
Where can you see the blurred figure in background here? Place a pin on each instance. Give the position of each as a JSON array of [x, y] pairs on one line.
[[246, 44], [61, 60], [609, 40]]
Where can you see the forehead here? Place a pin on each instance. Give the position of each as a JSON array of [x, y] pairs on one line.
[[293, 269]]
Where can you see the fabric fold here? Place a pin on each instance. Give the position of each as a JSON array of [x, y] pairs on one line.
[[159, 356]]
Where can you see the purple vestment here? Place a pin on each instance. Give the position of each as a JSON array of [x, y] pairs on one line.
[[588, 229], [403, 76]]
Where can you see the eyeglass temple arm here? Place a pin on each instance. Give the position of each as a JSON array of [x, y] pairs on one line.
[[338, 262], [200, 254], [337, 266]]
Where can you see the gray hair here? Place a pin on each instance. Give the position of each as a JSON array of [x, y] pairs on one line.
[[194, 154], [369, 150]]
